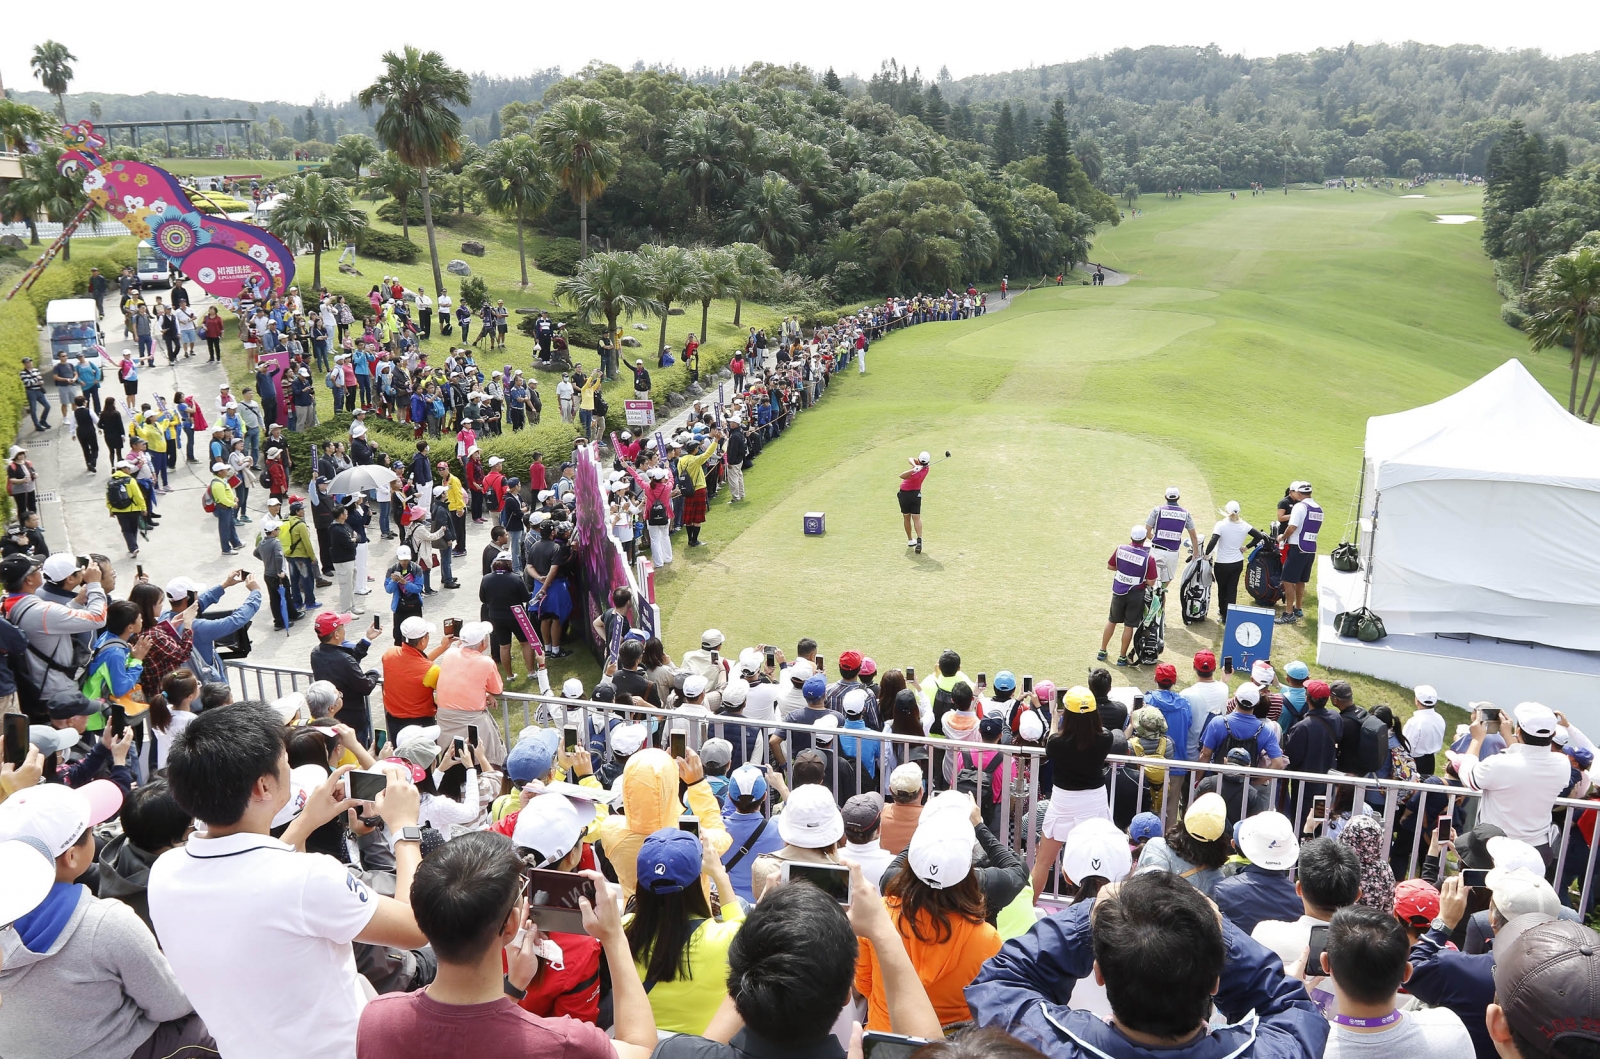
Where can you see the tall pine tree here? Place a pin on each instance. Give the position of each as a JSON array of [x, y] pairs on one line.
[[1025, 132], [1005, 137], [831, 82], [1057, 150], [1513, 180]]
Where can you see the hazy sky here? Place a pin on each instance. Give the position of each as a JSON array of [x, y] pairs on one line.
[[300, 49]]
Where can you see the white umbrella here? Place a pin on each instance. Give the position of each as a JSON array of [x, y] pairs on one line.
[[361, 478]]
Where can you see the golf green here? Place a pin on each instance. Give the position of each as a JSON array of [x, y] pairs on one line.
[[1254, 340]]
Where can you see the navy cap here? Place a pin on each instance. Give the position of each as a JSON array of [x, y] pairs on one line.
[[65, 704], [669, 861]]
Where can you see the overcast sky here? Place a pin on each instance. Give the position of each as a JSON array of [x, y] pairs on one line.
[[299, 49]]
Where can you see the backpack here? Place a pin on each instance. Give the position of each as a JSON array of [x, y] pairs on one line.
[[978, 782], [1372, 747], [208, 500], [658, 515], [117, 494], [943, 703], [1229, 741]]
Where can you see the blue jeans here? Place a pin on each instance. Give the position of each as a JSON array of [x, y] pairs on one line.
[[516, 549], [383, 514], [320, 353], [188, 437], [584, 417], [302, 583], [159, 461], [37, 399], [225, 528], [365, 384], [443, 552], [252, 444]]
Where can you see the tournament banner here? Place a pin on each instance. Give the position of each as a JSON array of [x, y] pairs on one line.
[[661, 446], [614, 645], [223, 257], [616, 445], [520, 612], [639, 413]]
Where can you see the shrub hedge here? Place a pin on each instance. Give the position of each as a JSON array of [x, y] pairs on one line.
[[390, 211], [560, 257], [386, 247]]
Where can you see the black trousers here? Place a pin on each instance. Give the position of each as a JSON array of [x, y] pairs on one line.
[[1227, 577]]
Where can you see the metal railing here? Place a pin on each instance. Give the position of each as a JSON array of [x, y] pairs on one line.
[[1016, 814]]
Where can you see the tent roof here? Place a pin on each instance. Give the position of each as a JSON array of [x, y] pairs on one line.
[[1504, 427]]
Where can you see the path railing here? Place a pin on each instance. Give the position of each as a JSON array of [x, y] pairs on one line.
[[1016, 816]]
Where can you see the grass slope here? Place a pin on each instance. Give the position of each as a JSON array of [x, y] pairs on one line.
[[1256, 338]]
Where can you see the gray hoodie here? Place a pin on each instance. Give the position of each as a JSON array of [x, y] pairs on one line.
[[100, 990], [125, 875]]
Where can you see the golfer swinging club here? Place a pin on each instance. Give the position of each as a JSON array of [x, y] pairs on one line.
[[911, 498]]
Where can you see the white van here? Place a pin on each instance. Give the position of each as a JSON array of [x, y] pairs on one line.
[[151, 267]]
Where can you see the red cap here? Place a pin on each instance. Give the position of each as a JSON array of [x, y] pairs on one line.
[[1167, 673], [850, 660], [327, 622], [1416, 902], [1205, 662], [1317, 691]]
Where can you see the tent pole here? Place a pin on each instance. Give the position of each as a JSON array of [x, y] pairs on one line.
[[1366, 573]]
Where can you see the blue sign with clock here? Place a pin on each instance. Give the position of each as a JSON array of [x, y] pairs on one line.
[[1247, 636]]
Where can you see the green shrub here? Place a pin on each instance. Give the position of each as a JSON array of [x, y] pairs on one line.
[[1511, 314], [390, 211], [474, 292], [560, 257], [387, 247], [70, 279], [19, 337]]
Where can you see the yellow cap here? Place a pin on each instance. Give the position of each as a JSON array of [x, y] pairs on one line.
[[1079, 700]]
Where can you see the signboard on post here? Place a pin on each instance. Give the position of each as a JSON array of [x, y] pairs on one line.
[[640, 413]]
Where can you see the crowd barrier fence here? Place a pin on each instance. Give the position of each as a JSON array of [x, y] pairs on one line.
[[1287, 791]]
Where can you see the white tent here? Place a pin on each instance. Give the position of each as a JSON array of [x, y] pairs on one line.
[[1485, 515]]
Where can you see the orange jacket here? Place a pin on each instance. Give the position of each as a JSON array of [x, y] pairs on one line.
[[946, 968]]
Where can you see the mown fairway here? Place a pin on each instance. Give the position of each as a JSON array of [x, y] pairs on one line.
[[1253, 342]]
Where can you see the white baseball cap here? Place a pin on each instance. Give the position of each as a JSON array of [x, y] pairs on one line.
[[1248, 694], [824, 728], [179, 587], [572, 688], [694, 685], [1426, 695], [219, 466], [711, 638], [628, 738], [1030, 725], [923, 457], [810, 819], [29, 875], [940, 853], [1519, 891], [1535, 718], [59, 566], [552, 825], [290, 706], [751, 659], [416, 627], [1137, 533], [402, 554], [906, 778], [855, 702], [1268, 840], [52, 817], [303, 779], [1231, 507], [1096, 848], [1261, 673], [1172, 492], [474, 633], [736, 692], [802, 670], [1509, 853]]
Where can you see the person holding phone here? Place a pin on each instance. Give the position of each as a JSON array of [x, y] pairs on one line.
[[185, 595], [1329, 879], [680, 951], [467, 681], [340, 664], [651, 802]]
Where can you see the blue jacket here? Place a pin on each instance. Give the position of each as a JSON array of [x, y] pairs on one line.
[[1175, 708], [1256, 895], [1026, 989], [207, 631], [13, 644], [1444, 978]]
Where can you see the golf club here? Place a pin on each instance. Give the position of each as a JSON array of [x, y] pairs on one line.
[[941, 459]]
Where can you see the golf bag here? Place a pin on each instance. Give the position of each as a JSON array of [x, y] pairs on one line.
[[1194, 590], [1263, 574], [1149, 639]]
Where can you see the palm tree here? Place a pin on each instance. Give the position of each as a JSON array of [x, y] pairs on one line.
[[771, 214], [399, 181], [578, 135], [49, 64], [719, 274], [416, 91], [1566, 301], [353, 153], [43, 187], [608, 285], [515, 180], [318, 212], [672, 274], [755, 274], [19, 200], [700, 148], [20, 123]]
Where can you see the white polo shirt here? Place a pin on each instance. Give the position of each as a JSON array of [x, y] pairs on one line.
[[1425, 732], [1207, 699], [1520, 785], [259, 936]]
